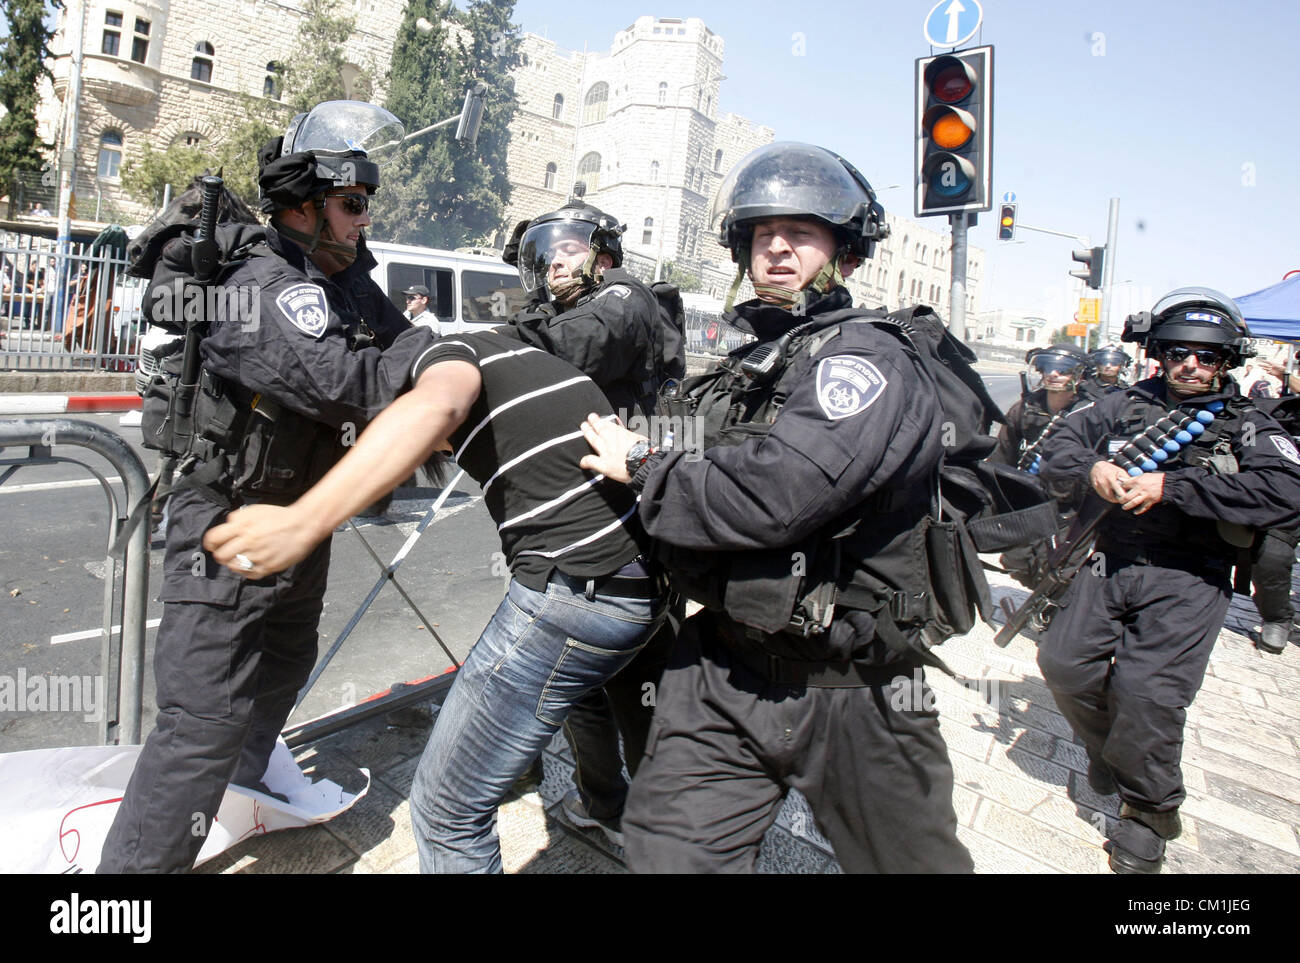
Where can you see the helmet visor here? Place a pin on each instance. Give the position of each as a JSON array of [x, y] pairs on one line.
[[1055, 364], [347, 127], [542, 245], [787, 179]]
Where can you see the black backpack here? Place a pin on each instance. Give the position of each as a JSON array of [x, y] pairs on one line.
[[671, 362]]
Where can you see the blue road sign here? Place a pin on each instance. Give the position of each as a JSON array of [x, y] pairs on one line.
[[1009, 197], [952, 22]]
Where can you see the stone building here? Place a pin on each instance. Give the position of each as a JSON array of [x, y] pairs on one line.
[[639, 124], [169, 71]]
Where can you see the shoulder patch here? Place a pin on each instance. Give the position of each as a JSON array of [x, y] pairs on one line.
[[1286, 449], [305, 308], [618, 290], [848, 384]]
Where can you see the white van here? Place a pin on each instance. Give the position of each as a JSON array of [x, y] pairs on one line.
[[467, 291]]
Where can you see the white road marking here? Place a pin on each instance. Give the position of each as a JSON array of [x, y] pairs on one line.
[[95, 633], [52, 486]]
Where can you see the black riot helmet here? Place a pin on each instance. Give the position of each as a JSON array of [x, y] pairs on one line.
[[1110, 354], [339, 143], [788, 179], [574, 228], [1063, 358], [1192, 316]]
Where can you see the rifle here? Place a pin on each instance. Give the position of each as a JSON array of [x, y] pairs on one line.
[[204, 262], [1143, 453]]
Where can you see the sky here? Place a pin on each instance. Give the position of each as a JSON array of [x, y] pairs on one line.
[[1179, 108]]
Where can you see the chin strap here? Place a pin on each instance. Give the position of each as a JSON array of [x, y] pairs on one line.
[[831, 276], [314, 241]]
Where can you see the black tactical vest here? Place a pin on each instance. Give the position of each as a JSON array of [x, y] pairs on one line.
[[873, 558], [1165, 528]]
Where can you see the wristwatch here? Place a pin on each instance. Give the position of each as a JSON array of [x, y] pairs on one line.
[[637, 455]]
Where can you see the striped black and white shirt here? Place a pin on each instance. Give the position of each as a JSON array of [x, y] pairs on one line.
[[521, 442]]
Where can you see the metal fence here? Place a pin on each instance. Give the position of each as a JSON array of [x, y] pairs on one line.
[[708, 333], [62, 312]]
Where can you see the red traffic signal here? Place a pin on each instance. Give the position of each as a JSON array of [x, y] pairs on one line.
[[954, 132]]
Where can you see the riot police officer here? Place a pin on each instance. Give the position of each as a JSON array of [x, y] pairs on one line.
[[294, 372], [1109, 363], [1030, 422], [824, 426], [589, 311], [1128, 651], [1060, 368]]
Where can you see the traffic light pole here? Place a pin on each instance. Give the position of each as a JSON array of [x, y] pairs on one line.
[[961, 222], [1108, 271]]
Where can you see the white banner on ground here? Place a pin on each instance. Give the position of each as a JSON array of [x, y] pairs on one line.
[[56, 805]]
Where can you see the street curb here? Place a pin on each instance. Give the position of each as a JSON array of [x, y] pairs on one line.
[[66, 404]]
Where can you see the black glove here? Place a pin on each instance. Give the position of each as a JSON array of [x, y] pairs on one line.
[[511, 253]]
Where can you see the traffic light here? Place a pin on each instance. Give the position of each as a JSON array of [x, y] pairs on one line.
[[954, 132], [1007, 223], [1092, 260]]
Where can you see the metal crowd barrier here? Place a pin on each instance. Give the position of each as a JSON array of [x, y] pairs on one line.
[[77, 311], [708, 333], [122, 725]]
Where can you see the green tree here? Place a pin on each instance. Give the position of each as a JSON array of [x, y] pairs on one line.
[[146, 175], [440, 193], [22, 56], [313, 72], [685, 281]]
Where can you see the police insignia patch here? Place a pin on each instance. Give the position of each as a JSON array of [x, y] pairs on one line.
[[1286, 448], [847, 385], [304, 307]]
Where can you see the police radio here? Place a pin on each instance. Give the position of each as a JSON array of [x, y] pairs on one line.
[[768, 358]]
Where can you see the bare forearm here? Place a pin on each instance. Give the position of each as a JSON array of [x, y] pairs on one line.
[[395, 443]]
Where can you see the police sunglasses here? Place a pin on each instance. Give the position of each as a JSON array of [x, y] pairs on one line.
[[1204, 356], [354, 204]]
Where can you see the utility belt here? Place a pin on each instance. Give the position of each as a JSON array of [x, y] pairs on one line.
[[794, 672], [1162, 556]]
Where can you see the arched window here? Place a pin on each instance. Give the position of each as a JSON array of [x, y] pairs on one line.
[[273, 85], [110, 153], [595, 104], [717, 161], [557, 108], [663, 93], [647, 233], [589, 171], [191, 138], [654, 172], [549, 182], [902, 279], [201, 65]]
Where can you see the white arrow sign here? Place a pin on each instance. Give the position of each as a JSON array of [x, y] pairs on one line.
[[951, 22]]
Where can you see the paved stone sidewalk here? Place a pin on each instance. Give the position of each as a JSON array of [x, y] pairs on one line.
[[1021, 795]]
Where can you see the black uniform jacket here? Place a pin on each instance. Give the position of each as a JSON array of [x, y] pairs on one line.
[[284, 329], [1263, 493], [609, 335], [1026, 420], [827, 451]]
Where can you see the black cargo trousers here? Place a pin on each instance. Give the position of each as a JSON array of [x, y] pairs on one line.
[[1124, 658], [230, 657], [726, 744]]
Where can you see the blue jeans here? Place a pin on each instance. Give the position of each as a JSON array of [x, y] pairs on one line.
[[540, 653]]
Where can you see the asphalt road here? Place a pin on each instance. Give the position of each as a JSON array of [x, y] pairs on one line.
[[53, 537]]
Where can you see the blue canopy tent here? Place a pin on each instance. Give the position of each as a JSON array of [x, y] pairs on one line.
[[1274, 312]]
